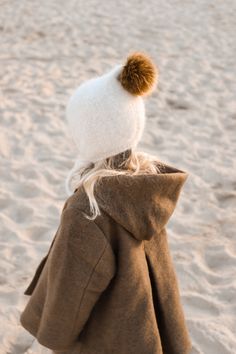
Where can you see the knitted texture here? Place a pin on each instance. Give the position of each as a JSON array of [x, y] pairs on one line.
[[105, 118]]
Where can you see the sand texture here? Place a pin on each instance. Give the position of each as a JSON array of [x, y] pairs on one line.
[[47, 48]]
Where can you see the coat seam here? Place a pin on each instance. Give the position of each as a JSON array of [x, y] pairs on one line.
[[90, 277], [108, 243], [78, 211], [93, 221]]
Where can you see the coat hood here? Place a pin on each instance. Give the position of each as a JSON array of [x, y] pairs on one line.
[[85, 266], [142, 204]]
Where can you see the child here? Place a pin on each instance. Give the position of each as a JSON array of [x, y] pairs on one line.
[[107, 284]]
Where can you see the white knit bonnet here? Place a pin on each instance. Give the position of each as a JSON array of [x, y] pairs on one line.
[[106, 114]]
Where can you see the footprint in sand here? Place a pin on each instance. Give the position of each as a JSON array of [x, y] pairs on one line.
[[226, 199], [38, 233], [219, 260], [8, 294], [19, 254], [5, 202], [177, 104], [218, 280], [226, 295], [26, 190], [29, 173], [20, 213], [202, 307], [9, 237], [2, 281]]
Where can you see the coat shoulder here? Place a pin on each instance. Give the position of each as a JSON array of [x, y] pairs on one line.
[[79, 203], [80, 265]]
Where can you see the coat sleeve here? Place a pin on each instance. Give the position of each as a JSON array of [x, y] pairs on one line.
[[78, 269]]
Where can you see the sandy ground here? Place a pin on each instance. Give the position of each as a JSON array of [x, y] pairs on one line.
[[46, 49]]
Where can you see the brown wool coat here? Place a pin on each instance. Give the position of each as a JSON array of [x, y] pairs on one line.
[[108, 286]]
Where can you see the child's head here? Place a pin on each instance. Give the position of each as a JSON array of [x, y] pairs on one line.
[[106, 117]]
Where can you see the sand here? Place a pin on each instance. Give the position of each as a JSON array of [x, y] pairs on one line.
[[49, 47]]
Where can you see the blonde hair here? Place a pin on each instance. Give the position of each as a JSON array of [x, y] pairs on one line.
[[128, 162]]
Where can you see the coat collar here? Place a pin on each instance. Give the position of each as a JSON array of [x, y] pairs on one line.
[[142, 204]]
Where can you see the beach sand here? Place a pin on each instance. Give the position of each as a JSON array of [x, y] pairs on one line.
[[47, 48]]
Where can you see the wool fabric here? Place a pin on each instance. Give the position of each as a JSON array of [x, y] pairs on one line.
[[108, 286]]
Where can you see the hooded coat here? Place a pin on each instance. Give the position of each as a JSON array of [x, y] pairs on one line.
[[108, 286]]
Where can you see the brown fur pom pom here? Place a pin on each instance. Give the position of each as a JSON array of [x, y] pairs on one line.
[[139, 74]]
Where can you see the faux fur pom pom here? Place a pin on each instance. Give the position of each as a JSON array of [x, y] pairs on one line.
[[139, 74]]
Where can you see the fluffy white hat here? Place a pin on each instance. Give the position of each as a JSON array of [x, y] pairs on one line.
[[106, 114]]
